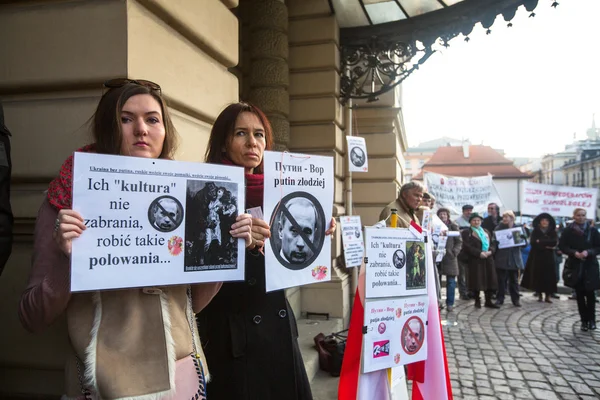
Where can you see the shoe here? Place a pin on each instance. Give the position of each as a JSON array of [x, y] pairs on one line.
[[499, 303], [441, 306], [520, 294], [572, 297], [536, 294], [477, 303], [584, 326], [548, 300], [491, 305], [449, 308], [540, 299], [517, 304], [555, 296], [592, 325]]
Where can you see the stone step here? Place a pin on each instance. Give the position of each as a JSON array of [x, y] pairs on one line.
[[307, 330]]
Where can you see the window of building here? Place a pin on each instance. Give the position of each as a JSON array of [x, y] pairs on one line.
[[407, 178], [407, 164], [421, 163]]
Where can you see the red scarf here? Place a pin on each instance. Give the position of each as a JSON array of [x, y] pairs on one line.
[[60, 191], [255, 185]]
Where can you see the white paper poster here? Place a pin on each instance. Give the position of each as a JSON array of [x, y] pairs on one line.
[[155, 222], [352, 238], [453, 192], [512, 237], [559, 201], [396, 332], [396, 263], [298, 205], [357, 154]]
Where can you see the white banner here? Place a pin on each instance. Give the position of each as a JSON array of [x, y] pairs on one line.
[[512, 237], [453, 192], [396, 332], [155, 222], [352, 238], [558, 201], [357, 154], [396, 263], [298, 205]]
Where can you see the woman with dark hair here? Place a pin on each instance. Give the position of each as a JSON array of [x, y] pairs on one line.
[[449, 264], [540, 273], [250, 336], [136, 343], [581, 243]]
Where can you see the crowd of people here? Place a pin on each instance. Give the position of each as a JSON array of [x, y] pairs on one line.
[[475, 262]]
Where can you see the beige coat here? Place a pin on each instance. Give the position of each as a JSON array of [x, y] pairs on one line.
[[405, 214]]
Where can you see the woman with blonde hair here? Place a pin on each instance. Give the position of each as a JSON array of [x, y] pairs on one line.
[[508, 263], [581, 243]]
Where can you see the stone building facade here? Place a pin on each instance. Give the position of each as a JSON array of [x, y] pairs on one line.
[[283, 56]]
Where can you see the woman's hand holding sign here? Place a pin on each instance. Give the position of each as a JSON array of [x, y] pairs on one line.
[[260, 232], [69, 225], [242, 229]]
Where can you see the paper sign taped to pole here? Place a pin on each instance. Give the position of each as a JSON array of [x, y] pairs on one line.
[[357, 154]]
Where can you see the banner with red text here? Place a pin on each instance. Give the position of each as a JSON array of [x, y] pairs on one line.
[[558, 201]]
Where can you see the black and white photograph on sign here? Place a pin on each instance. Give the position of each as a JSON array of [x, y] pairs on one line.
[[211, 210], [298, 203], [357, 154], [165, 214], [155, 222], [298, 230], [399, 259], [413, 335], [415, 265]]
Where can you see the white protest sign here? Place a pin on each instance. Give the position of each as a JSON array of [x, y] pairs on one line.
[[357, 154], [559, 201], [352, 238], [453, 192], [298, 205], [155, 222], [511, 237], [396, 332], [396, 263]]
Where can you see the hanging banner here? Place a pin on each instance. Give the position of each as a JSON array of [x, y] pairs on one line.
[[298, 205], [357, 154], [396, 332], [395, 264], [155, 222], [558, 201], [453, 192], [352, 238]]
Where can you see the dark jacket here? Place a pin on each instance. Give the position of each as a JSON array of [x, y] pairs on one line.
[[490, 223], [509, 258], [540, 270], [6, 215], [250, 341], [481, 272], [449, 264], [572, 241]]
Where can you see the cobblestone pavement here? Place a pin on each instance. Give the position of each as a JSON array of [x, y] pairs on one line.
[[533, 352]]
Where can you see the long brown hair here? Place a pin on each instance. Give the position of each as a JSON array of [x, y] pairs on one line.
[[106, 122], [221, 133]]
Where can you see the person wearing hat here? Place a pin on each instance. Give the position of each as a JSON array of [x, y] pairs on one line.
[[479, 248], [463, 223]]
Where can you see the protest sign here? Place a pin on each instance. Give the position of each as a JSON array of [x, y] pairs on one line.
[[357, 154], [395, 264], [396, 332], [298, 205], [511, 237], [352, 238], [453, 192], [559, 201], [155, 222]]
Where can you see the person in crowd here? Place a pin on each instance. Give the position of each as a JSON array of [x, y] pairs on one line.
[[449, 264], [581, 244], [407, 203], [463, 220], [136, 343], [508, 263], [424, 205], [250, 336], [479, 250], [463, 223], [540, 273], [493, 219], [431, 201]]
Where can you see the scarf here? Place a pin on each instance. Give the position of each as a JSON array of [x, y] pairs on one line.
[[60, 191], [255, 185], [580, 229], [485, 242]]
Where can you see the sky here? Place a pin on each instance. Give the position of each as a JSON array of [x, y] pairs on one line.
[[525, 89]]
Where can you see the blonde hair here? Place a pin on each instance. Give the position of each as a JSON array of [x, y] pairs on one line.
[[509, 213], [575, 211]]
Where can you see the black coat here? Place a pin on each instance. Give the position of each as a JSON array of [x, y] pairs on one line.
[[509, 258], [481, 272], [570, 242], [540, 270], [250, 341], [490, 223]]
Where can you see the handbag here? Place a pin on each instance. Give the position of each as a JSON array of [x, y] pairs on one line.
[[572, 272], [331, 350]]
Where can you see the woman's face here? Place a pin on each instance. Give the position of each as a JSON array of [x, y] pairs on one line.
[[476, 222], [142, 126], [544, 223], [246, 145], [220, 193], [579, 217], [507, 220], [444, 216]]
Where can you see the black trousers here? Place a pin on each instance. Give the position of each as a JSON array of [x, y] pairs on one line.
[[512, 275], [586, 303]]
